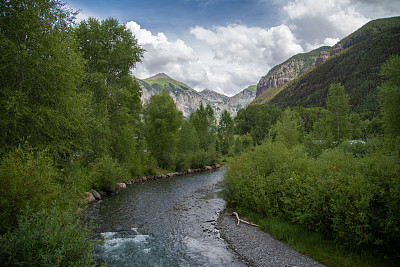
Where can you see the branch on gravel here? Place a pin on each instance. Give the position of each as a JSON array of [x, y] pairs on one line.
[[243, 221]]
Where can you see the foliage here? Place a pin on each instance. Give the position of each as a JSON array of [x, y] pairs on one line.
[[47, 238], [39, 76], [162, 121], [350, 199], [337, 103], [390, 96], [288, 129], [26, 176], [257, 121], [106, 172], [225, 133]]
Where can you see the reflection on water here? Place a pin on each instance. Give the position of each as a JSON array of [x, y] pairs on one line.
[[167, 222]]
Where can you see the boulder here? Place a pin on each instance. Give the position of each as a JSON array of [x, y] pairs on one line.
[[120, 186], [89, 197], [96, 194], [217, 166]]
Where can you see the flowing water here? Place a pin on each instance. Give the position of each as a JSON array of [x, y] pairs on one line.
[[170, 222]]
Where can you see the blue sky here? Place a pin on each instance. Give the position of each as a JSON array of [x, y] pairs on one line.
[[227, 45]]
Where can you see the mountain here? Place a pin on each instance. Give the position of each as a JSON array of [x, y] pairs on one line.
[[214, 96], [188, 100], [355, 62], [239, 101], [288, 70]]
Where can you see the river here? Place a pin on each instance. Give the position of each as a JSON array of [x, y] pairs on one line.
[[170, 222]]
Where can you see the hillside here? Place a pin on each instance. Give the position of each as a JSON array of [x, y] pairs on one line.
[[288, 70], [188, 100], [355, 62]]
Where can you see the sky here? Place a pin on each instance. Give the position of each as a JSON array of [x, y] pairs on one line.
[[228, 45]]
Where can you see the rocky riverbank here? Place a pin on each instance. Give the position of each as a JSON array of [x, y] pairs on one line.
[[258, 248], [93, 195]]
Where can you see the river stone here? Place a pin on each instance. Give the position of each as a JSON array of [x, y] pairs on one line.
[[120, 186], [89, 197], [217, 166], [96, 194]]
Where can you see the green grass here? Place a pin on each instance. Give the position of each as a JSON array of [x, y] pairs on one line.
[[315, 244]]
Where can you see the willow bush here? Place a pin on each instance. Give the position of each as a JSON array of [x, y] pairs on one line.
[[353, 200]]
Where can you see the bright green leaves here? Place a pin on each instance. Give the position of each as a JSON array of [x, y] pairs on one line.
[[162, 121]]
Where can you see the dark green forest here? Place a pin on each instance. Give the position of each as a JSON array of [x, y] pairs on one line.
[[71, 120]]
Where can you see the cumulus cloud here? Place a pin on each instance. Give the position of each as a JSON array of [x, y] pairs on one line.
[[317, 22], [230, 58]]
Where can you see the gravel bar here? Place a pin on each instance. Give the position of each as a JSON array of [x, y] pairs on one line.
[[258, 248]]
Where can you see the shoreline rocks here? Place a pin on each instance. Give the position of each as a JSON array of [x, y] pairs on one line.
[[93, 195]]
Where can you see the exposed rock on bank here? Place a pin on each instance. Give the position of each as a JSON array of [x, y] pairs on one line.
[[93, 195]]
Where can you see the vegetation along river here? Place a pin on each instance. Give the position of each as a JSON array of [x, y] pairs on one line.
[[170, 222]]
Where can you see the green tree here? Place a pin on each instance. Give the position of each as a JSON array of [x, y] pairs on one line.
[[390, 96], [257, 121], [188, 145], [111, 51], [162, 121], [39, 76], [225, 132], [289, 128], [338, 106]]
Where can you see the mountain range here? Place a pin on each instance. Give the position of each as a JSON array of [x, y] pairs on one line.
[[303, 79], [188, 100]]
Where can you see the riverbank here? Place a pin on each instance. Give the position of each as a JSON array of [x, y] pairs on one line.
[[258, 248]]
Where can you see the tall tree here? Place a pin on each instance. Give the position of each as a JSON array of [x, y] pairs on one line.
[[390, 96], [225, 132], [289, 128], [111, 51], [39, 76], [162, 121], [338, 106]]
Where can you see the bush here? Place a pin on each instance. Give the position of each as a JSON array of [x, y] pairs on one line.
[[47, 238], [350, 194], [106, 173], [26, 176]]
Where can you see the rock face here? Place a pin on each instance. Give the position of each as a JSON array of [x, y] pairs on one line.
[[213, 96], [188, 100], [237, 102], [288, 70]]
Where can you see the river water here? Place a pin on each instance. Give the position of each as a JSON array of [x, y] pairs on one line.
[[170, 222]]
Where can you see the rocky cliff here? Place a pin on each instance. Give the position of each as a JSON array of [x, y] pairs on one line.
[[214, 96], [288, 70], [238, 101]]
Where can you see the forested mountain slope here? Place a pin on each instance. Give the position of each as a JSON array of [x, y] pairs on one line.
[[354, 62]]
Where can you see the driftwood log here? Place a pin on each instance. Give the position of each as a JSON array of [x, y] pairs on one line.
[[243, 221]]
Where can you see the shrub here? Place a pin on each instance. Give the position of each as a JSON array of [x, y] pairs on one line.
[[47, 238], [26, 176], [106, 173]]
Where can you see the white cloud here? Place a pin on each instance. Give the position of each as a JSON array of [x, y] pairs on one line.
[[229, 59], [318, 22]]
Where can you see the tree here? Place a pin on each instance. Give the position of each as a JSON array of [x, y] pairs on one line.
[[188, 145], [256, 120], [225, 132], [390, 96], [289, 128], [40, 75], [111, 51], [338, 106], [162, 121]]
